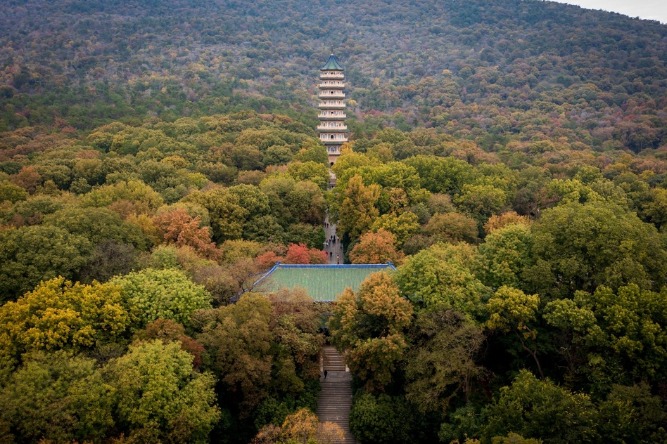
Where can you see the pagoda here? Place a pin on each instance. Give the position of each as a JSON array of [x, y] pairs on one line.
[[332, 129]]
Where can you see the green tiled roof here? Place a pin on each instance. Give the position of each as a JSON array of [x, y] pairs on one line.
[[332, 64], [323, 283]]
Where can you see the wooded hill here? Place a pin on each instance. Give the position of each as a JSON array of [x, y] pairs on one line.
[[491, 71]]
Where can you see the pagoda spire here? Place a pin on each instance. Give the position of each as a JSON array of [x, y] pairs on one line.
[[332, 128]]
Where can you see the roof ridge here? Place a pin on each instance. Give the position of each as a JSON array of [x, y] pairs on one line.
[[281, 265]]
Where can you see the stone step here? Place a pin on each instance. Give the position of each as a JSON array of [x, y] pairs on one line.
[[335, 400]]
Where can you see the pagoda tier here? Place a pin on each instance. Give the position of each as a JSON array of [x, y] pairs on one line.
[[331, 94], [333, 138], [332, 76], [332, 84], [327, 116], [332, 129], [331, 104]]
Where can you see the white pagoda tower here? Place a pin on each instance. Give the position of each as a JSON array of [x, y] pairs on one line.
[[332, 129]]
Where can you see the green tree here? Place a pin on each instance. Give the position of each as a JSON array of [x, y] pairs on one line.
[[293, 202], [381, 419], [481, 201], [56, 397], [150, 294], [315, 172], [238, 340], [33, 210], [369, 328], [228, 216], [655, 209], [402, 226], [295, 324], [505, 254], [581, 246], [441, 276], [632, 414], [442, 174], [142, 197], [511, 310], [314, 153], [12, 193], [441, 362], [167, 330], [31, 254], [159, 398], [615, 336], [540, 409], [98, 225]]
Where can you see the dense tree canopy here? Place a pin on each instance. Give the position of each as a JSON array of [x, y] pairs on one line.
[[151, 294], [581, 246], [156, 158], [58, 397], [159, 396], [30, 254], [369, 326], [58, 314]]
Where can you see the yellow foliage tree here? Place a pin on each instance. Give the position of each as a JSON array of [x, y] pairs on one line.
[[59, 314]]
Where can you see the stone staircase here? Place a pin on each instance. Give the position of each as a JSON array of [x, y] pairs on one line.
[[335, 400]]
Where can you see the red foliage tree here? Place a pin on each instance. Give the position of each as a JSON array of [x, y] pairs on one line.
[[301, 254]]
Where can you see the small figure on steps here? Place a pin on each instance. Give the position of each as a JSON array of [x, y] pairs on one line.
[[325, 374]]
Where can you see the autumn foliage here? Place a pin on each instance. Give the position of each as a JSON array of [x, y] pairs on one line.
[[376, 248], [178, 227], [295, 254]]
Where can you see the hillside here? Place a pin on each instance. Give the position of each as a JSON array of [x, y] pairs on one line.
[[490, 71]]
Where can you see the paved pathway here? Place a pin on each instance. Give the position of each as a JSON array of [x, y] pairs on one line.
[[335, 398], [332, 245]]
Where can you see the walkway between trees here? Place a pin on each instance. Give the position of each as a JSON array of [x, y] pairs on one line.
[[332, 244], [335, 400]]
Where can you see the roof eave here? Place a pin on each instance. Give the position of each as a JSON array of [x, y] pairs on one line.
[[332, 64]]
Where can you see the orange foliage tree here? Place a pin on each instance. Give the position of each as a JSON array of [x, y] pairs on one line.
[[376, 248], [178, 227]]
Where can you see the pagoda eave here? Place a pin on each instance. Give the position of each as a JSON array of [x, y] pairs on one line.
[[324, 130]]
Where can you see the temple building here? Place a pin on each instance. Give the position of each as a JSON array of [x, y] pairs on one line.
[[323, 283], [332, 129]]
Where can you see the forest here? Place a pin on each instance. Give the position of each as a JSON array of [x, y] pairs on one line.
[[509, 157]]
